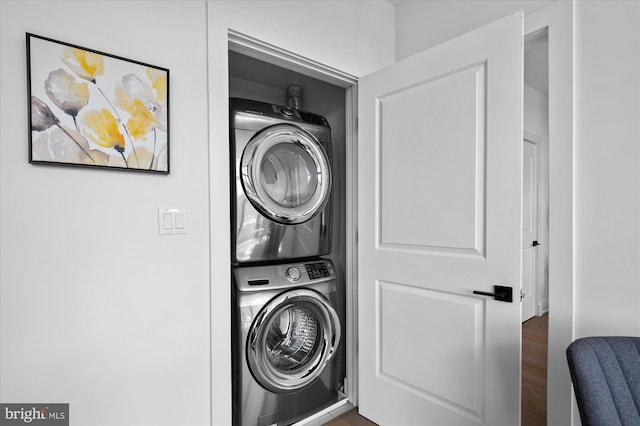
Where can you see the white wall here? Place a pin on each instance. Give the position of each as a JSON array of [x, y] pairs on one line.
[[607, 178], [354, 37], [96, 309]]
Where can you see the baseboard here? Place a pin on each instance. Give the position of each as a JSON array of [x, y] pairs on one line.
[[326, 415], [542, 308]]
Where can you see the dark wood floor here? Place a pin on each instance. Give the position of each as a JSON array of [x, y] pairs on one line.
[[534, 371], [534, 378], [350, 418]]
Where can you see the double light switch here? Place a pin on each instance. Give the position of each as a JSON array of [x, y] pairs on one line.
[[172, 221]]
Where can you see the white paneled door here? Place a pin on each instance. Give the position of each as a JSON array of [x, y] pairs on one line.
[[439, 213]]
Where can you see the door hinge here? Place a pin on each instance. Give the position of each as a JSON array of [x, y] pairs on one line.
[[521, 295]]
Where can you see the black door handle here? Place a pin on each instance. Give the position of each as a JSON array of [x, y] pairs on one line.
[[535, 243], [501, 293]]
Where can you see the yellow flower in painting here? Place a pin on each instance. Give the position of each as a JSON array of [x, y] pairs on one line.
[[85, 64], [142, 157], [102, 129], [148, 110], [63, 90], [158, 83], [141, 121]]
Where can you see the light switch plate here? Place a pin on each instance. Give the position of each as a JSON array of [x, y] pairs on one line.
[[172, 221]]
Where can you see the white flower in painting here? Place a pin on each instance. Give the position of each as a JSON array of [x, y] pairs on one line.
[[63, 90], [42, 119], [66, 146]]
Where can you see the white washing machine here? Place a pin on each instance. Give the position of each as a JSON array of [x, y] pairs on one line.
[[288, 361], [281, 183]]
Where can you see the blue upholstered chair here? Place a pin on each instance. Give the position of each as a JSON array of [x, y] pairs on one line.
[[606, 378]]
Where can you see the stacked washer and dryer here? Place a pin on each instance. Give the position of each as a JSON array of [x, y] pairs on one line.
[[287, 328]]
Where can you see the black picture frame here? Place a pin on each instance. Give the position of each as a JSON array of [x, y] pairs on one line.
[[93, 109]]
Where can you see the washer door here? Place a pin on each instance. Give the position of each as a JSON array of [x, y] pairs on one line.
[[286, 174], [292, 340]]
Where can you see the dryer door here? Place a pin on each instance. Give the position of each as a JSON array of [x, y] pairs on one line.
[[292, 340], [286, 174]]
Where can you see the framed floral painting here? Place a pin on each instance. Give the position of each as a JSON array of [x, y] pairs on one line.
[[89, 108]]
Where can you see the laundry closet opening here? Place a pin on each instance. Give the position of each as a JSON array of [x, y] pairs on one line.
[[267, 84]]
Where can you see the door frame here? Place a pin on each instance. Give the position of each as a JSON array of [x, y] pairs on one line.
[[541, 305], [529, 138], [558, 19], [266, 52]]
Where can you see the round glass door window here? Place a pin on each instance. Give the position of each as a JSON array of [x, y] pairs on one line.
[[286, 174], [292, 340]]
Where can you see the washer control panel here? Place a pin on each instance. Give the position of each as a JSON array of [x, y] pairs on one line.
[[301, 273]]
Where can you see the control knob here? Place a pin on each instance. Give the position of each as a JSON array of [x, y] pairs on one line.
[[287, 112], [293, 273]]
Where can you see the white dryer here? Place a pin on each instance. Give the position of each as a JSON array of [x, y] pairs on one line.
[[287, 355], [281, 183]]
